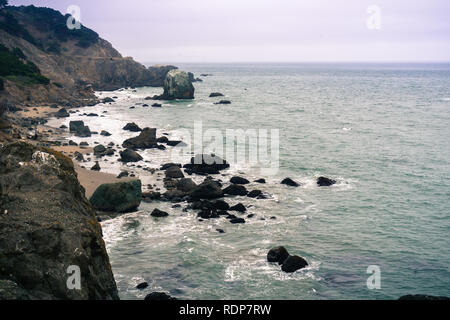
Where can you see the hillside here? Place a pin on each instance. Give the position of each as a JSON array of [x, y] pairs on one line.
[[42, 61]]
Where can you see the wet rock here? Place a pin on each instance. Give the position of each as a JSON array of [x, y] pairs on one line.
[[92, 115], [74, 126], [215, 94], [254, 194], [239, 208], [62, 113], [108, 100], [99, 150], [133, 127], [223, 102], [96, 167], [237, 221], [207, 190], [117, 197], [105, 133], [159, 214], [146, 140], [325, 182], [157, 105], [150, 196], [235, 190], [174, 172], [159, 296], [176, 143], [79, 156], [142, 286], [123, 174], [186, 185], [83, 132], [128, 155], [219, 205], [174, 195], [73, 143], [162, 139], [206, 164], [293, 263], [290, 182], [239, 180], [278, 254], [84, 144], [220, 230], [262, 181], [168, 165]]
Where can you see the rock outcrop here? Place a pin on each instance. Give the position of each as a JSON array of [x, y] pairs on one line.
[[47, 225], [177, 85], [146, 140]]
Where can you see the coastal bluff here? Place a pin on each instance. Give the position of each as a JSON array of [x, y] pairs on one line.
[[43, 61], [48, 227]]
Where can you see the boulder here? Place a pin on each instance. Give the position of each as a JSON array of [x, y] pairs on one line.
[[96, 167], [262, 181], [157, 105], [83, 132], [105, 133], [206, 164], [142, 286], [207, 190], [162, 139], [149, 196], [223, 102], [62, 113], [278, 254], [290, 182], [237, 221], [325, 182], [239, 208], [239, 180], [146, 140], [74, 126], [117, 197], [174, 172], [168, 165], [254, 194], [50, 226], [108, 100], [178, 86], [159, 214], [133, 127], [128, 155], [220, 205], [99, 150], [293, 263], [215, 94], [235, 190], [186, 185]]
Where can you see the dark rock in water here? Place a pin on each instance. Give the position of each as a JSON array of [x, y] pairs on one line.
[[235, 190], [186, 185], [156, 105], [108, 100], [325, 182], [206, 164], [254, 194], [168, 165], [96, 167], [83, 132], [159, 214], [422, 297], [130, 156], [92, 115], [73, 143], [207, 190], [220, 205], [174, 172], [146, 140], [264, 196], [261, 181], [63, 126], [117, 197], [237, 221], [62, 113], [192, 78], [109, 152], [174, 195], [133, 127], [159, 296], [176, 143], [223, 102], [162, 139], [239, 180], [149, 196], [220, 230], [48, 220], [74, 126], [293, 263], [142, 286], [178, 86], [105, 133], [99, 150], [123, 174], [79, 156], [250, 216], [239, 208], [215, 94], [278, 254], [208, 214], [290, 182]]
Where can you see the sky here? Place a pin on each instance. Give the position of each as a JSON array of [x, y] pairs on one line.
[[169, 31]]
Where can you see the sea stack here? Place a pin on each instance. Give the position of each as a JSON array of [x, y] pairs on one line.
[[177, 85]]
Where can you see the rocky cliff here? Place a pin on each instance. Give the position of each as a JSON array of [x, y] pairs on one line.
[[47, 227], [73, 61]]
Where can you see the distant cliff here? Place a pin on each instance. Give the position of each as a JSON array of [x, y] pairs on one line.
[[57, 65]]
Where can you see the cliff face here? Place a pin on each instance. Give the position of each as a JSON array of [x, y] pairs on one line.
[[47, 226], [75, 61]]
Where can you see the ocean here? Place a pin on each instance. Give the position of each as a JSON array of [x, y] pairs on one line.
[[380, 130]]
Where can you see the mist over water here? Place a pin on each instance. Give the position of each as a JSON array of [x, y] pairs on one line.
[[382, 131]]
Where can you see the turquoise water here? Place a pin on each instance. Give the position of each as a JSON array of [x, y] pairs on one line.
[[382, 131]]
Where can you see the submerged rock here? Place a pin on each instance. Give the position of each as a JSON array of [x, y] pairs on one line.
[[50, 226], [117, 197], [325, 182]]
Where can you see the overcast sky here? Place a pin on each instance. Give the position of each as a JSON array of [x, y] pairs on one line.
[[170, 31]]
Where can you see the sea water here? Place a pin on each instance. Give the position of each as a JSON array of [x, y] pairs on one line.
[[381, 131]]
